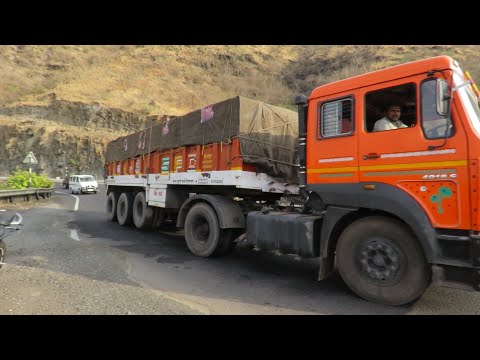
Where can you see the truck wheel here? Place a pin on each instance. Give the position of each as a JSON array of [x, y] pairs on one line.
[[112, 201], [142, 213], [202, 232], [3, 251], [227, 245], [381, 261], [125, 209]]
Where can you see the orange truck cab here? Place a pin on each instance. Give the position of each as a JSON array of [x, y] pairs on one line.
[[400, 206]]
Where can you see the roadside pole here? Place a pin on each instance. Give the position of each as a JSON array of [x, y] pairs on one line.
[[30, 159], [30, 170]]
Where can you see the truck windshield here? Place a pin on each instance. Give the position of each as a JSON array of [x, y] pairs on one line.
[[468, 99], [87, 178]]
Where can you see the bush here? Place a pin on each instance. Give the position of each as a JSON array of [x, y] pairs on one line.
[[21, 180]]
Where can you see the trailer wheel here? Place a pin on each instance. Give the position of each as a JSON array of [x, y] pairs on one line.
[[202, 232], [381, 261], [3, 251], [142, 213], [112, 201], [125, 209]]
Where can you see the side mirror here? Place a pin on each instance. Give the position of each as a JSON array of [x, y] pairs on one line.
[[442, 97]]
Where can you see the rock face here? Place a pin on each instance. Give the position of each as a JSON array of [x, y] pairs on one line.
[[65, 137], [80, 115]]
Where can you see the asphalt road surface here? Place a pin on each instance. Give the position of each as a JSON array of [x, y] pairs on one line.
[[99, 267]]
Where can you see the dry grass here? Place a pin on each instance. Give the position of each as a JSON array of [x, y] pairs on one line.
[[147, 79], [175, 79], [319, 65]]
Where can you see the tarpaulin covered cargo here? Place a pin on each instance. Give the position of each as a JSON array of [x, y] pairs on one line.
[[268, 135]]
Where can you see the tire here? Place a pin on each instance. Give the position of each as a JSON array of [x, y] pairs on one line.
[[382, 262], [227, 245], [3, 251], [203, 234], [125, 209], [142, 213], [112, 201]]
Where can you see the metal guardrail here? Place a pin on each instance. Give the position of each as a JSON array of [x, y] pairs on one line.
[[26, 194]]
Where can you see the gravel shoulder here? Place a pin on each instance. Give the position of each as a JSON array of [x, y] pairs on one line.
[[52, 274], [37, 291]]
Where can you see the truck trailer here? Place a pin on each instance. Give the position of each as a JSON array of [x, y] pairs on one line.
[[395, 211]]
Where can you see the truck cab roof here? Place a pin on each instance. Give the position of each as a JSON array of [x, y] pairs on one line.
[[383, 75]]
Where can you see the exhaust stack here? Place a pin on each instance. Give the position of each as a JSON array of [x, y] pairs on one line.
[[301, 102]]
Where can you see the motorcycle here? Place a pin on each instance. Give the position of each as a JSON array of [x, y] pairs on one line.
[[8, 224]]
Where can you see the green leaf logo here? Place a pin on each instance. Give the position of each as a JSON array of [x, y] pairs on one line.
[[443, 193]]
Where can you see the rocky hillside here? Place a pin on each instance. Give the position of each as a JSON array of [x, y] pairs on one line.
[[65, 103], [64, 136]]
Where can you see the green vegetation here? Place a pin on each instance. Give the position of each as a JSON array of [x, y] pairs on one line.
[[21, 180]]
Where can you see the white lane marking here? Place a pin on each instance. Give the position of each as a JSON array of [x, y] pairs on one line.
[[74, 235], [75, 208]]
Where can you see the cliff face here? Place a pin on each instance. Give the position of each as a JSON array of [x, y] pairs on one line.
[[64, 136], [83, 116]]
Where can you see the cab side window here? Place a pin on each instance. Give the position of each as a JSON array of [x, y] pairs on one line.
[[335, 118], [391, 108], [433, 124]]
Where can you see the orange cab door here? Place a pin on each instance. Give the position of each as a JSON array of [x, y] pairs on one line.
[[404, 158], [332, 140]]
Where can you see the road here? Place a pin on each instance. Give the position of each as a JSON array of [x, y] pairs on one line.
[[70, 235]]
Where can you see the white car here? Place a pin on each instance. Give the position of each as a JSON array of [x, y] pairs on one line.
[[82, 184]]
